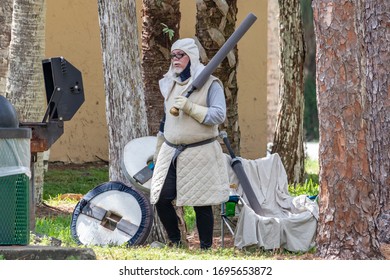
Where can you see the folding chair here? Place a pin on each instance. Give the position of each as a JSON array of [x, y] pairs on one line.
[[280, 220]]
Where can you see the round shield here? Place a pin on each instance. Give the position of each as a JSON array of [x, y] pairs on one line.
[[138, 161], [112, 214]]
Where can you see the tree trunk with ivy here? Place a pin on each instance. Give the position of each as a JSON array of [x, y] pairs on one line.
[[288, 139]]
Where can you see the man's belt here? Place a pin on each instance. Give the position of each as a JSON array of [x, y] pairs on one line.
[[181, 147]]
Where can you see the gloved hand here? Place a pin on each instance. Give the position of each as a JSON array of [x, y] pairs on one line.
[[196, 111], [160, 141]]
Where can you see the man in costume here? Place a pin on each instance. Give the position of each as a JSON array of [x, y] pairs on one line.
[[189, 163]]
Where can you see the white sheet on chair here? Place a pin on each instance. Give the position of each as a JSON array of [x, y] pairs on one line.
[[285, 221]]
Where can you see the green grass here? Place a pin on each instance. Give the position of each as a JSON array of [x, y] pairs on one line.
[[309, 188], [312, 167], [58, 227], [147, 253], [60, 181], [84, 179]]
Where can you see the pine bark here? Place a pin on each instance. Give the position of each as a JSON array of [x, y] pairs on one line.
[[352, 76]]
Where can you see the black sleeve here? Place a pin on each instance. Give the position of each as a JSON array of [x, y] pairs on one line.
[[162, 124]]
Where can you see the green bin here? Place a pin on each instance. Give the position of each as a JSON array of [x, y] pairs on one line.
[[15, 176]]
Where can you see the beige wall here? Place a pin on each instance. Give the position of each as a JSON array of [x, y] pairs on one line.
[[273, 68], [73, 32]]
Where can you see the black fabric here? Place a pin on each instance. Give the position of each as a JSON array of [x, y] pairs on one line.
[[165, 208], [186, 73], [205, 225], [169, 219], [162, 124], [196, 144]]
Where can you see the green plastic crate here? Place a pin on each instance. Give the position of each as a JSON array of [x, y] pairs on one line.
[[14, 210]]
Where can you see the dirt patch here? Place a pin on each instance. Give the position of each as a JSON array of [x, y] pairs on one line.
[[43, 210], [58, 165]]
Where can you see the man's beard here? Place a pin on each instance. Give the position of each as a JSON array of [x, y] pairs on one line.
[[177, 70]]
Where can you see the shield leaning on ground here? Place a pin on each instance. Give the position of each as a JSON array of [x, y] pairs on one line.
[[112, 214]]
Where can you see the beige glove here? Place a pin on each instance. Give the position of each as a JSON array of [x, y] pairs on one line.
[[196, 111], [160, 141]]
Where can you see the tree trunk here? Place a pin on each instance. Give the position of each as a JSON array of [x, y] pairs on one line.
[[125, 102], [352, 76], [288, 140], [156, 47], [378, 89], [25, 86], [215, 22], [5, 39]]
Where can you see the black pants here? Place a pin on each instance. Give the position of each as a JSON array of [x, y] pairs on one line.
[[169, 219]]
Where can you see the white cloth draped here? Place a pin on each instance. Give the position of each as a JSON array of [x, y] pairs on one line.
[[285, 221]]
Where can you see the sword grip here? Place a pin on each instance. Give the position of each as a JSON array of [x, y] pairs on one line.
[[174, 111]]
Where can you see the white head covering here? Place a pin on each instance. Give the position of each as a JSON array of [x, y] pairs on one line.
[[188, 46]]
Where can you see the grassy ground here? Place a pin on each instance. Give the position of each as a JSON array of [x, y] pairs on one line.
[[65, 185]]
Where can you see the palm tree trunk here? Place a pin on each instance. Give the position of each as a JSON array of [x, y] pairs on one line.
[[156, 46], [215, 22]]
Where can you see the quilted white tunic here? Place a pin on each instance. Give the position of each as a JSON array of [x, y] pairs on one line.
[[201, 171], [201, 175]]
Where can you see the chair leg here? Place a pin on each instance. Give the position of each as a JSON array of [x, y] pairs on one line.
[[225, 221], [222, 225]]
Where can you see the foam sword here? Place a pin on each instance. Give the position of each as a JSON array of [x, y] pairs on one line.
[[237, 167]]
